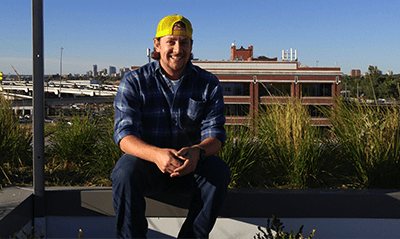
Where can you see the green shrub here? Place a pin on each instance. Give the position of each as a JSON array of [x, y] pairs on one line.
[[75, 140], [369, 136], [15, 140], [278, 149], [110, 151], [82, 151], [241, 151], [291, 144]]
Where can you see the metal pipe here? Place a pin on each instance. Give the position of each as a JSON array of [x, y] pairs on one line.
[[291, 54], [38, 108]]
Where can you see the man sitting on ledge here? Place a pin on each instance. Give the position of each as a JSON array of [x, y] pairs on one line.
[[169, 121]]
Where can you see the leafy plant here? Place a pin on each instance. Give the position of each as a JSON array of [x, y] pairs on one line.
[[80, 234], [274, 230], [29, 234]]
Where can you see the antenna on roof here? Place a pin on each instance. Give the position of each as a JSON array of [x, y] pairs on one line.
[[289, 56]]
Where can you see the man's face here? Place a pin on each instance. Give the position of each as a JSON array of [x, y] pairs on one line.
[[174, 54]]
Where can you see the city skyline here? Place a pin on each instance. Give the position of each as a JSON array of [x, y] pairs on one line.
[[347, 34]]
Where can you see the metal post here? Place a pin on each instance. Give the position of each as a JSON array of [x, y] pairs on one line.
[[149, 54], [38, 109], [59, 93], [61, 61]]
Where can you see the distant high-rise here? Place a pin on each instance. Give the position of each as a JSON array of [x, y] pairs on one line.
[[94, 70], [103, 72], [112, 70], [124, 70]]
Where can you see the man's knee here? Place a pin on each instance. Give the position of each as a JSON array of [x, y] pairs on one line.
[[126, 167], [217, 170], [225, 172]]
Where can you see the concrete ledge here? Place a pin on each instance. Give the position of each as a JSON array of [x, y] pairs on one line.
[[312, 203], [251, 203], [96, 202], [16, 209]]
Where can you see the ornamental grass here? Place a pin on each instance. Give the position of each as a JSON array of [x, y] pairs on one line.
[[279, 148]]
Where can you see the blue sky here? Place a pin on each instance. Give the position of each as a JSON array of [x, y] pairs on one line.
[[351, 34]]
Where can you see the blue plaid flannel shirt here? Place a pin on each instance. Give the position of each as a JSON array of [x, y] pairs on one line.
[[145, 107]]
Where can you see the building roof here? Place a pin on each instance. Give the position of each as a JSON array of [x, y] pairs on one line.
[[266, 68]]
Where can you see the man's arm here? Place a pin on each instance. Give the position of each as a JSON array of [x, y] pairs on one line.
[[211, 146], [165, 159]]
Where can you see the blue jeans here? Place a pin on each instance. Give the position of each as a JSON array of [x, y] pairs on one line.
[[134, 178]]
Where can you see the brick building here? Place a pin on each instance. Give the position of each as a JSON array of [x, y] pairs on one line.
[[355, 73], [248, 83], [241, 53]]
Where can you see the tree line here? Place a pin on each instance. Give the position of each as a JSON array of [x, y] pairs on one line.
[[373, 85]]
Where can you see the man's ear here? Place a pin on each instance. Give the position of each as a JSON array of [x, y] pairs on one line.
[[156, 44]]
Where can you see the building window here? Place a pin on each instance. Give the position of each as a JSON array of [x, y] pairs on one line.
[[237, 109], [239, 89], [274, 89], [317, 110], [308, 90]]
